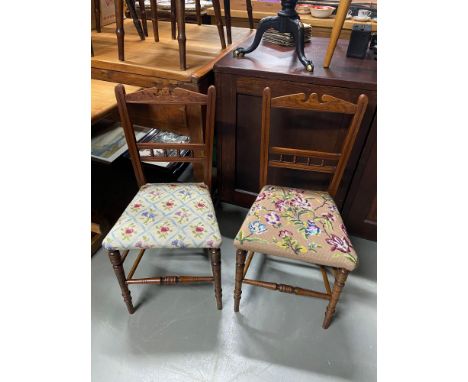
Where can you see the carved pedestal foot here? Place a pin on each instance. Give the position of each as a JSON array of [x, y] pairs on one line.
[[285, 22]]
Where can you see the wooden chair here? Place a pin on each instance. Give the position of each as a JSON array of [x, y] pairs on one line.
[[131, 7], [178, 16], [166, 215], [300, 224]]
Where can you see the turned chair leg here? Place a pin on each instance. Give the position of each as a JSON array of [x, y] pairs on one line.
[[119, 29], [180, 11], [219, 22], [144, 22], [154, 19], [116, 261], [216, 267], [97, 15], [340, 279], [227, 20], [136, 21], [240, 261], [248, 4], [198, 11], [173, 19]]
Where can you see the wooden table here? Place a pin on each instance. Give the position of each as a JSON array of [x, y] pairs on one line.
[[320, 27], [103, 100], [240, 82], [149, 63]]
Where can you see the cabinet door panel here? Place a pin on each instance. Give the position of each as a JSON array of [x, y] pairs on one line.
[[360, 207], [240, 124]]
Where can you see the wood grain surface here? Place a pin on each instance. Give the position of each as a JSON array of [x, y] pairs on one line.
[[103, 99], [161, 59]]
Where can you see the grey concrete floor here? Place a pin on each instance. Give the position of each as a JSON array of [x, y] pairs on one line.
[[177, 334]]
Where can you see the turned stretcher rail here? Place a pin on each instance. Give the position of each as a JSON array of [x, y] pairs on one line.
[[171, 280], [284, 288]]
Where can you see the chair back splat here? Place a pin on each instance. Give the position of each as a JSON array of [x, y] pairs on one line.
[[197, 152], [333, 163]]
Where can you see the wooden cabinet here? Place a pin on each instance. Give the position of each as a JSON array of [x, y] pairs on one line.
[[360, 207], [240, 83]]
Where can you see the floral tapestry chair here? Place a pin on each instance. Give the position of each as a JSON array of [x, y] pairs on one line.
[[161, 215], [295, 223]]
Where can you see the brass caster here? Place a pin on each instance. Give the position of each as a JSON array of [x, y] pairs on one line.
[[236, 53], [310, 68]]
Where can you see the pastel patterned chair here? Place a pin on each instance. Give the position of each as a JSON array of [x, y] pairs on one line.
[[295, 223], [166, 215]]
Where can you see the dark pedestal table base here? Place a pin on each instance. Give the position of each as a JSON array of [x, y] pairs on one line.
[[287, 21]]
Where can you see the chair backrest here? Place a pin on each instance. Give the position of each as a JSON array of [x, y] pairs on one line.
[[196, 152], [333, 163]]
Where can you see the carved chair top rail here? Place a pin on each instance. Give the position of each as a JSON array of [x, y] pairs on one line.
[[327, 103], [166, 96]]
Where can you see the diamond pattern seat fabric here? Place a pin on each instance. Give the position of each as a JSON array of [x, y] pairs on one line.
[[166, 215], [298, 224]]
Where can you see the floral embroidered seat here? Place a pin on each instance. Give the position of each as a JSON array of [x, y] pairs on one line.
[[299, 224], [166, 215]]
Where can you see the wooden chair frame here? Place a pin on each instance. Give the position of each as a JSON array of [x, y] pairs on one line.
[[336, 164], [201, 153], [177, 16], [227, 17]]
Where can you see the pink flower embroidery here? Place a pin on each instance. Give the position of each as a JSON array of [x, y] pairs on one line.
[[199, 229], [261, 196], [340, 244], [164, 229], [200, 205], [127, 232], [329, 216], [281, 205], [137, 205], [168, 205], [300, 202], [285, 233], [343, 228]]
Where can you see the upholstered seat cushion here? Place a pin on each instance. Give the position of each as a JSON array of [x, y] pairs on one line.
[[167, 216], [299, 224]]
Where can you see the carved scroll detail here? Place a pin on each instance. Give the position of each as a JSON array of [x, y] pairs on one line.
[[327, 103], [166, 96]]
